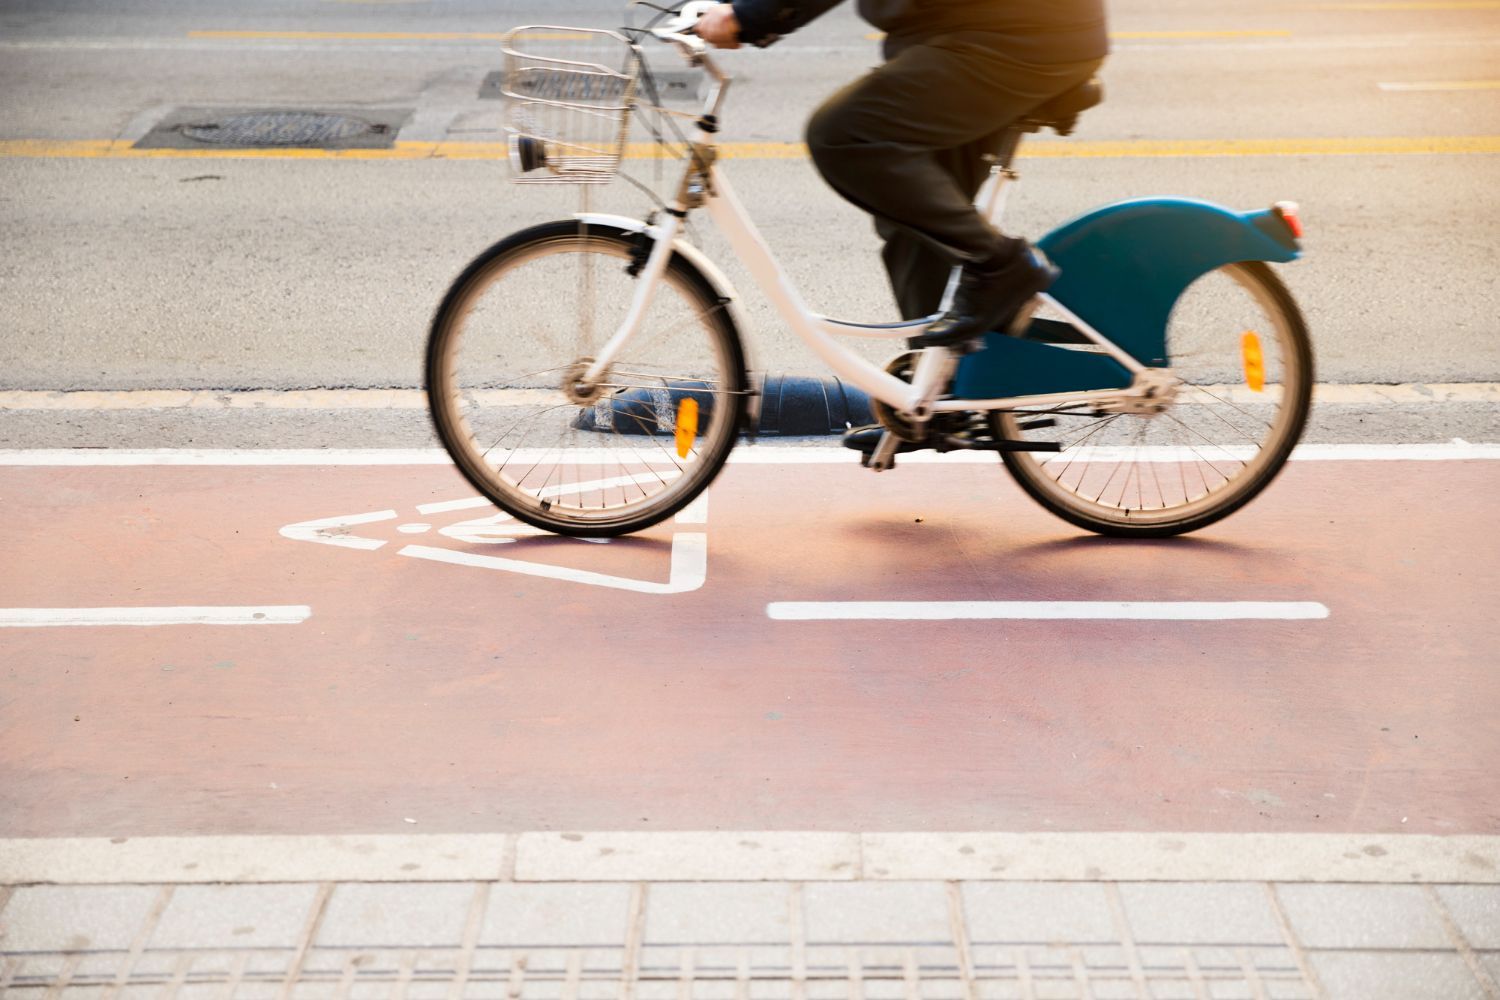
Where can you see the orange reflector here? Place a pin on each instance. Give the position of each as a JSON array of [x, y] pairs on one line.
[[1255, 361], [687, 425], [1287, 210]]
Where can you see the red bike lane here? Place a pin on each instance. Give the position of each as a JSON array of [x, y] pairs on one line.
[[454, 674]]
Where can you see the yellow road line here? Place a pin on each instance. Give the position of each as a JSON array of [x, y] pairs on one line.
[[387, 36], [466, 36], [876, 36], [351, 36], [1043, 149], [1439, 85], [1411, 5]]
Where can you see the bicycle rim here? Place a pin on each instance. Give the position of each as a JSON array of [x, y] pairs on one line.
[[532, 310], [1238, 345]]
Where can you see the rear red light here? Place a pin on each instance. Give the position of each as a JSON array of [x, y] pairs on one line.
[[1287, 212]]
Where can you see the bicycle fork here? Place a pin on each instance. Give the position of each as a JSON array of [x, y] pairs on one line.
[[645, 293]]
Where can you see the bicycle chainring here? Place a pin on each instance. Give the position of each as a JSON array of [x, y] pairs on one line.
[[903, 366]]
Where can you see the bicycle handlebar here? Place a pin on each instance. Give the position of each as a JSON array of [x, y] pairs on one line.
[[679, 30]]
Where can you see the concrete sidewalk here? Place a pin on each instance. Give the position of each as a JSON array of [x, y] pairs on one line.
[[523, 927]]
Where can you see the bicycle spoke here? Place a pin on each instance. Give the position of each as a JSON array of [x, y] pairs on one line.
[[525, 321], [643, 347], [1232, 426], [1096, 429], [1208, 441], [1224, 446]]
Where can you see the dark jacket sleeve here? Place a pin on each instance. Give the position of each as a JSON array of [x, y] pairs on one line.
[[765, 21]]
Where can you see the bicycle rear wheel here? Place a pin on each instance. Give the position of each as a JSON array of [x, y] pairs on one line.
[[1238, 345], [517, 327]]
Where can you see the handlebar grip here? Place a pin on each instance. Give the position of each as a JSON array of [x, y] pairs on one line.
[[687, 17]]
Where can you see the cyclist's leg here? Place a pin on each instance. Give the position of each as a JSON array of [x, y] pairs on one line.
[[879, 141], [918, 270]]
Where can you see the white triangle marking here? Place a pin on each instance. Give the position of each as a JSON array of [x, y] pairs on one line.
[[689, 566], [689, 557]]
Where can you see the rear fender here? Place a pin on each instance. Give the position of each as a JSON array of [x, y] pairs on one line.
[[1123, 268], [1125, 265]]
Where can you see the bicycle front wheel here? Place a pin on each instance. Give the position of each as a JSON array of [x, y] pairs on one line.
[[1239, 350], [511, 337]]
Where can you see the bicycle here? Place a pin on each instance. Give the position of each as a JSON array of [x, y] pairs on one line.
[[1162, 387]]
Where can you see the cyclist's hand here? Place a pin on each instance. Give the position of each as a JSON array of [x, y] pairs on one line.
[[719, 27]]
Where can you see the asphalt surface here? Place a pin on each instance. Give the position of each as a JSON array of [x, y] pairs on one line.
[[495, 684], [287, 273], [704, 674]]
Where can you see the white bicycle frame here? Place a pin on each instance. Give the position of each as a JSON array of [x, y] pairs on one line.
[[704, 184]]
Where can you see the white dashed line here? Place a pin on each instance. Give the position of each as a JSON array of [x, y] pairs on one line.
[[290, 614]]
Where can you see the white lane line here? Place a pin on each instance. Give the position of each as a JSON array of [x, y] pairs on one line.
[[88, 400], [271, 614], [760, 454], [1189, 611]]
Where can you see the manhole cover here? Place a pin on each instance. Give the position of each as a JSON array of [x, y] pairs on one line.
[[341, 127], [280, 128]]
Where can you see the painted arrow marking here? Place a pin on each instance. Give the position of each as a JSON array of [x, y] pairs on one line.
[[688, 561], [335, 530]]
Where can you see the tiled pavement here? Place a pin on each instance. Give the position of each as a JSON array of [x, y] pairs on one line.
[[966, 940]]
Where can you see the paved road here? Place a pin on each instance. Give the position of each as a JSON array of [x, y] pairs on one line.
[[225, 273], [438, 665], [745, 667]]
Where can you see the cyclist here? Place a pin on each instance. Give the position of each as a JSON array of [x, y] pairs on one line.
[[906, 142]]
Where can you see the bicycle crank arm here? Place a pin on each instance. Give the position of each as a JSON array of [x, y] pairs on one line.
[[884, 455], [950, 443]]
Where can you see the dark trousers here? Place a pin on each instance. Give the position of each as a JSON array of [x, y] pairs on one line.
[[906, 143]]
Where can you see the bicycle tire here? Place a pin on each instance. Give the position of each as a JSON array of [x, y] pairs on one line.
[[594, 469], [1166, 444]]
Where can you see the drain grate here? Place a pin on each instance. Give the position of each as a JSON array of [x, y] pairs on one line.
[[277, 128], [280, 128], [673, 87]]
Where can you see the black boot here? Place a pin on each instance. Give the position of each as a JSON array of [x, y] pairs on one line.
[[992, 295]]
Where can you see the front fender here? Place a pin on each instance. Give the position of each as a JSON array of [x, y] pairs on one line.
[[1125, 265]]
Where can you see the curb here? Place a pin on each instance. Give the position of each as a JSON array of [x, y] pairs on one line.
[[765, 856]]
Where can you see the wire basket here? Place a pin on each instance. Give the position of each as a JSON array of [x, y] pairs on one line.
[[571, 92]]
